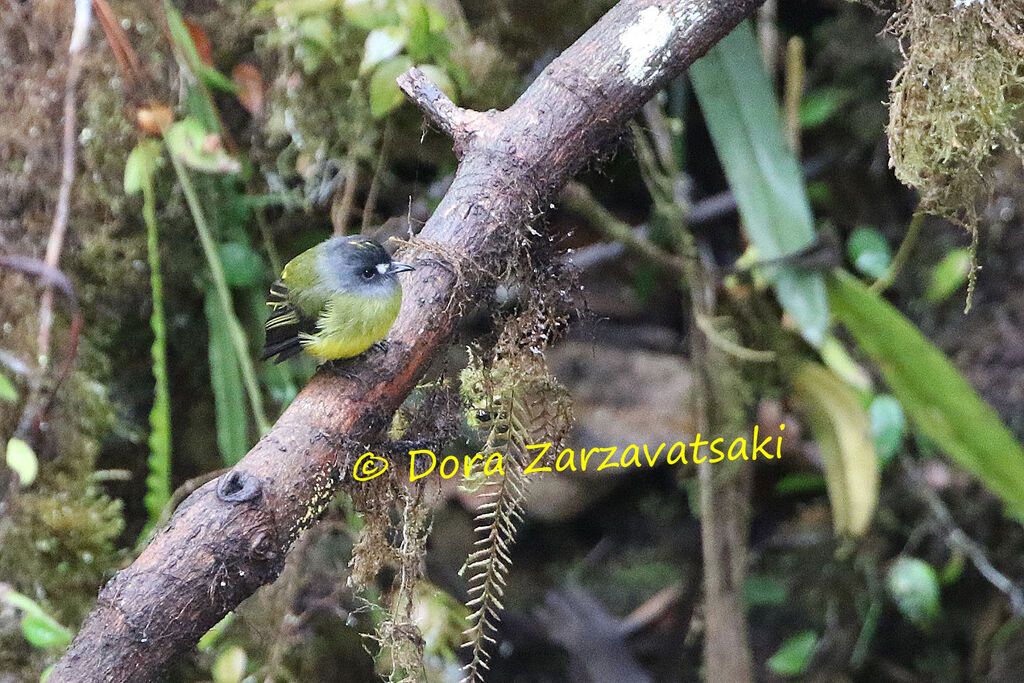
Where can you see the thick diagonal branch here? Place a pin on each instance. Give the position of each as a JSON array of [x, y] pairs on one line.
[[213, 554]]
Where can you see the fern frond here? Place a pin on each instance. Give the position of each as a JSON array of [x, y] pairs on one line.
[[517, 403], [490, 563]]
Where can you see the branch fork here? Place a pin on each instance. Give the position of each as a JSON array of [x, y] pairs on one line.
[[461, 125]]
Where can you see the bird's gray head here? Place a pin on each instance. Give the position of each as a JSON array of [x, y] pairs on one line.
[[358, 262]]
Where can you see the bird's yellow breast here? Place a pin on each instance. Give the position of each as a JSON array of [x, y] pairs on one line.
[[350, 324]]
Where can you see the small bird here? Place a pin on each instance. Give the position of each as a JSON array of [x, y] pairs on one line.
[[334, 300]]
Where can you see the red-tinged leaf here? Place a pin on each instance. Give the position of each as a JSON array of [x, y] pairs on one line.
[[200, 40], [250, 87]]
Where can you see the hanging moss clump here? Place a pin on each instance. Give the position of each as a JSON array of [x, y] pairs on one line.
[[955, 104]]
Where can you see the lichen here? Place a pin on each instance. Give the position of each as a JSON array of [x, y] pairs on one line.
[[644, 42]]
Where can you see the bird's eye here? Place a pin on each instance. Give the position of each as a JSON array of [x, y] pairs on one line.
[[368, 273]]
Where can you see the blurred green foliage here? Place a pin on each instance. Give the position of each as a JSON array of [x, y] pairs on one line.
[[740, 109]]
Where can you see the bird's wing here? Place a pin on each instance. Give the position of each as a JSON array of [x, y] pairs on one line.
[[285, 326]]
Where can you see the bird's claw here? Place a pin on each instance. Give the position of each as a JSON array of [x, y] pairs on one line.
[[342, 367]]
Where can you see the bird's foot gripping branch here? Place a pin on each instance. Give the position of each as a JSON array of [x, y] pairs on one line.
[[216, 550]]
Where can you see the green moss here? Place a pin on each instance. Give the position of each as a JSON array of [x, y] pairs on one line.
[[955, 103], [59, 539]]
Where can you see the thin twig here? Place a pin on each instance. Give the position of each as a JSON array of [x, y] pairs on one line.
[[959, 539], [268, 241], [461, 125], [795, 76], [343, 203], [126, 57], [55, 244], [728, 346], [768, 35], [723, 496], [578, 198], [378, 171], [37, 404]]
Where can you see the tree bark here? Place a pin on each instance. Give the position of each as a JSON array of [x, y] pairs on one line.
[[230, 537]]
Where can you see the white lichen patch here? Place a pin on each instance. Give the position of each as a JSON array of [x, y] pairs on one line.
[[645, 42]]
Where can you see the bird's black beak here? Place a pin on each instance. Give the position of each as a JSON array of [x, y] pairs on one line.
[[398, 267]]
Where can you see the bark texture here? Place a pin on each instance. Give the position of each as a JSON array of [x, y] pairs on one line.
[[218, 549]]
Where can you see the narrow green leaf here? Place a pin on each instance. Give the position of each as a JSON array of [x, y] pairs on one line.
[[41, 631], [843, 432], [22, 459], [838, 359], [7, 390], [794, 655], [742, 116], [953, 569], [948, 275], [20, 601], [384, 92], [800, 482], [158, 477], [228, 394], [940, 403], [221, 289], [182, 39], [215, 80], [211, 637]]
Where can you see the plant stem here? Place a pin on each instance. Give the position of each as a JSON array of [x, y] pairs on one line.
[[79, 39], [220, 284], [902, 254], [342, 205], [268, 241], [158, 479], [795, 77], [371, 196], [578, 199]]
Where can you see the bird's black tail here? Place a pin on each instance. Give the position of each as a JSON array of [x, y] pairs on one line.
[[284, 326]]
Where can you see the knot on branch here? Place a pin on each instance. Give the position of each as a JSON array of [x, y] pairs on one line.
[[238, 487], [461, 125]]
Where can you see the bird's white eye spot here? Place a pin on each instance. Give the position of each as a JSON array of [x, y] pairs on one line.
[[382, 268]]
